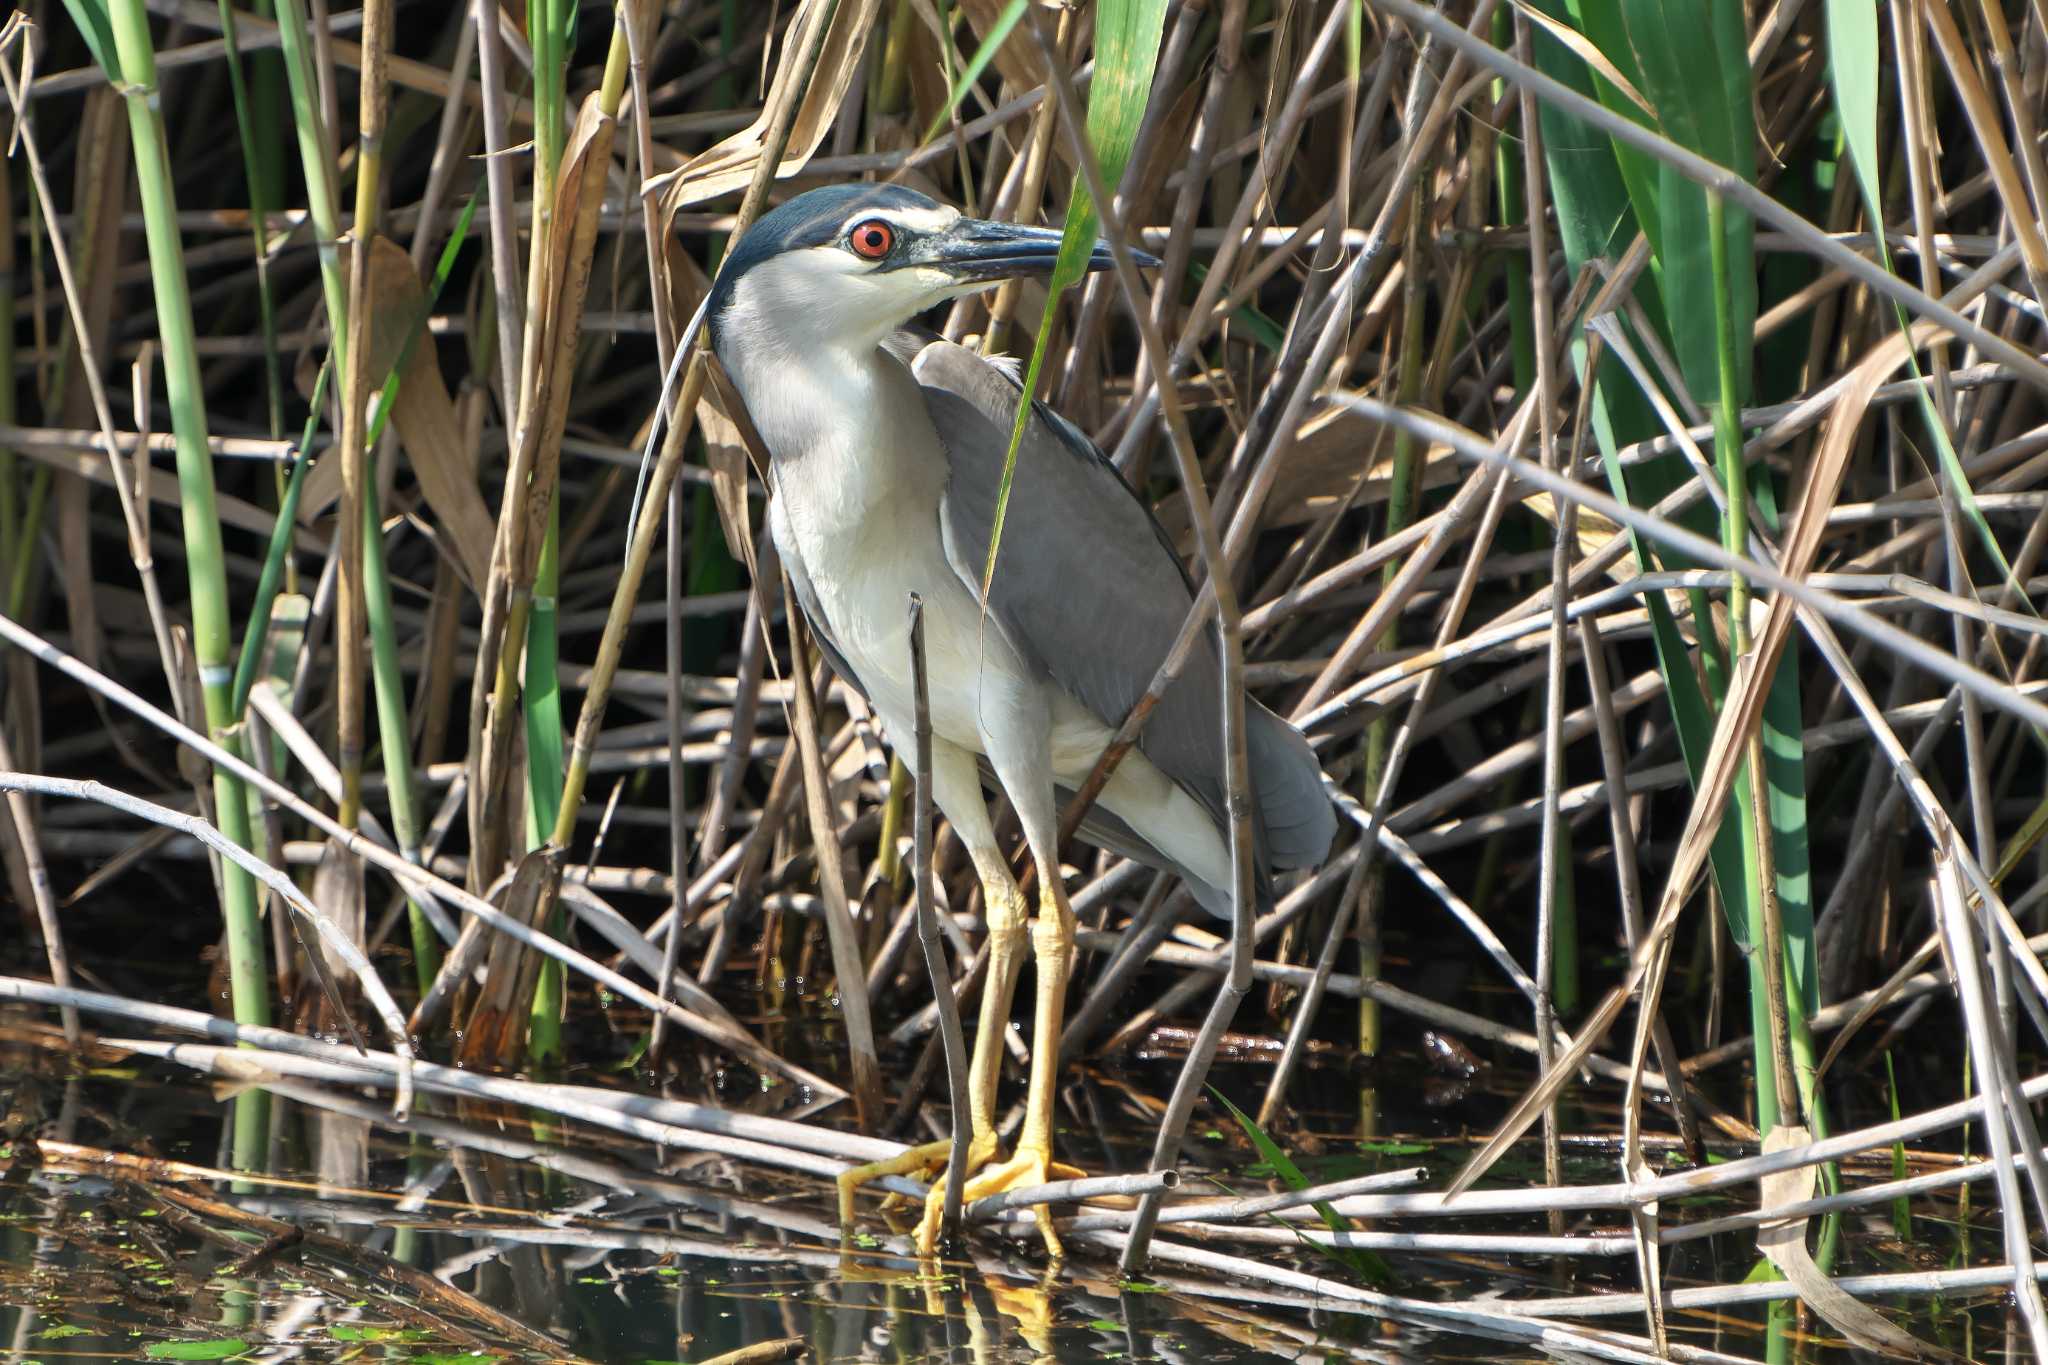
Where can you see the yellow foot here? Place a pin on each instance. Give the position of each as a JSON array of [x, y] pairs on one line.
[[980, 1151], [1031, 1165], [917, 1161]]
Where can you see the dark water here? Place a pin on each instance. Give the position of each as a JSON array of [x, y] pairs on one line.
[[486, 1232]]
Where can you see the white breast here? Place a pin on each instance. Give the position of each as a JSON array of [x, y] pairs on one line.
[[859, 473]]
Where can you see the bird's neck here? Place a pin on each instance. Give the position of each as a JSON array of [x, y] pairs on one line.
[[802, 397], [837, 421]]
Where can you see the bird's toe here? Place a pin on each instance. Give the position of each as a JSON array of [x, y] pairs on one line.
[[1032, 1165], [911, 1161]]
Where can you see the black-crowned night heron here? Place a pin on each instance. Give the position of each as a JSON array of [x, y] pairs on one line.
[[887, 452]]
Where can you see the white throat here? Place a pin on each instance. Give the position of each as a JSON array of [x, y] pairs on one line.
[[843, 419], [805, 367]]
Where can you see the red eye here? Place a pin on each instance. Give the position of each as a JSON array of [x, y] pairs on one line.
[[871, 240]]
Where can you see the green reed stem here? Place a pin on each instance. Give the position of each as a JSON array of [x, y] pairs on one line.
[[1779, 1098], [278, 553], [267, 94], [394, 733], [323, 189], [1728, 428], [204, 562], [259, 222], [548, 21], [30, 530]]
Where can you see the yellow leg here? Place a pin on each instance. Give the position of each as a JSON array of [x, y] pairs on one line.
[[1003, 904], [1052, 941], [1004, 907]]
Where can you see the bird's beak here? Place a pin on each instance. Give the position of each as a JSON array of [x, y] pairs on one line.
[[975, 251]]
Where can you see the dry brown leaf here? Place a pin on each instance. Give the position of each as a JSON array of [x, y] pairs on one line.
[[494, 1033], [725, 444], [1784, 1244], [728, 165], [1320, 468], [1593, 535], [725, 452], [563, 264], [1583, 49], [1019, 63], [338, 895], [423, 415], [687, 282], [1234, 120], [238, 513], [1147, 203], [572, 240], [1292, 36], [928, 90], [100, 186]]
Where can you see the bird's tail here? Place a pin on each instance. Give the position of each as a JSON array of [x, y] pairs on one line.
[[1296, 818]]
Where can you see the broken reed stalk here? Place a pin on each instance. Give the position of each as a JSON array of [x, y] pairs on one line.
[[841, 934], [1556, 952], [781, 1143], [682, 413], [639, 33], [250, 865], [1992, 1073]]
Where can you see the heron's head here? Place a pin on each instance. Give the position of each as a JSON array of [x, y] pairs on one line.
[[848, 264]]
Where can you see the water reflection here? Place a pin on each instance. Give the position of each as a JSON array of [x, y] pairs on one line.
[[481, 1231], [466, 1232]]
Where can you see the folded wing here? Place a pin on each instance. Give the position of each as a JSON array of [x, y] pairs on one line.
[[1087, 583]]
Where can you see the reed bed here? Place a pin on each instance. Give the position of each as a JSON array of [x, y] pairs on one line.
[[1613, 430]]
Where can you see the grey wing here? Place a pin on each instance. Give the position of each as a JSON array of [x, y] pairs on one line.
[[1088, 582]]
